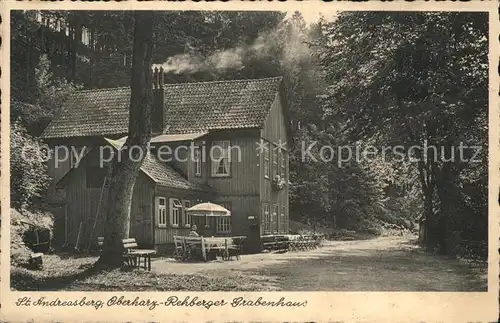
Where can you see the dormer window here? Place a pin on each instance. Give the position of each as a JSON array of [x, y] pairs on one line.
[[220, 154]]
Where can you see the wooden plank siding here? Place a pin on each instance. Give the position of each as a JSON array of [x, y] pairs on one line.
[[274, 130], [174, 154], [82, 203], [165, 235], [241, 188], [56, 172], [242, 179], [241, 208]]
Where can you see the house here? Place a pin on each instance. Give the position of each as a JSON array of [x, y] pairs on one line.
[[223, 142]]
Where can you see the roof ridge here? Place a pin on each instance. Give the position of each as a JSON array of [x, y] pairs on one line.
[[191, 108], [183, 83], [103, 89], [225, 81]]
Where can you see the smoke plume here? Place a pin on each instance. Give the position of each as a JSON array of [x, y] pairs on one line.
[[286, 43]]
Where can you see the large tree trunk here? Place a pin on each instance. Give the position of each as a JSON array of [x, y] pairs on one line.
[[429, 238], [117, 225], [448, 199]]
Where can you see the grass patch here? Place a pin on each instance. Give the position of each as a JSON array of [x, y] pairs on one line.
[[141, 280], [70, 273], [57, 270]]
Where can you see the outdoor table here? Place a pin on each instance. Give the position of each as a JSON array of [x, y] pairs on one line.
[[186, 244], [142, 253], [217, 243], [221, 244]]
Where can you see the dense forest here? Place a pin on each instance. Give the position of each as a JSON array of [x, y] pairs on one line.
[[349, 82]]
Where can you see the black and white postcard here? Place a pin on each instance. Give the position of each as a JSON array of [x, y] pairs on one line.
[[250, 161]]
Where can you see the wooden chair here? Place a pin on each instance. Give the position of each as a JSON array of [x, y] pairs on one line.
[[192, 243], [180, 248], [233, 249], [132, 255]]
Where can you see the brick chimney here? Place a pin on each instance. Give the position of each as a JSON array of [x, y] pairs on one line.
[[158, 110]]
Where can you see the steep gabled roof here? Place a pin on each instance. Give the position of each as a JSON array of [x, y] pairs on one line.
[[161, 173], [189, 108], [101, 112]]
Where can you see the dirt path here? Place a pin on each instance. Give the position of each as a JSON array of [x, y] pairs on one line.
[[381, 264]]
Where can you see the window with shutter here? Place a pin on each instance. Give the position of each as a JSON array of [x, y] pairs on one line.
[[175, 212], [187, 221], [161, 212]]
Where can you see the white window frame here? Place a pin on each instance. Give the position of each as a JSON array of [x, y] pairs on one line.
[[197, 162], [161, 212], [266, 162], [224, 222], [226, 158], [187, 218], [175, 207]]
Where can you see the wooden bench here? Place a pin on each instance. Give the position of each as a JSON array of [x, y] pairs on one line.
[[191, 244], [300, 242], [473, 252], [132, 256], [276, 243]]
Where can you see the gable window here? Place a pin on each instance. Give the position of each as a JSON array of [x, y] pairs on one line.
[[161, 211], [224, 222], [220, 154], [187, 217], [266, 217], [95, 176], [197, 162], [266, 162], [175, 212]]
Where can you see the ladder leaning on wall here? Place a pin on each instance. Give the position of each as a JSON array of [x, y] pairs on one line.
[[102, 206]]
